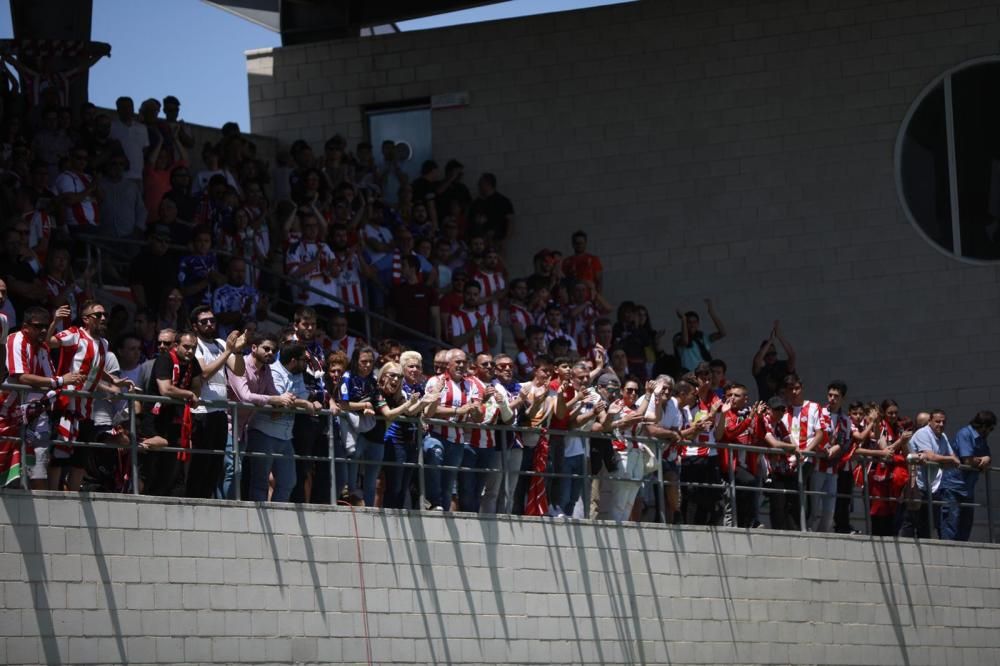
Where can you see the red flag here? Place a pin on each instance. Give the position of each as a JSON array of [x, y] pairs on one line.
[[537, 503], [185, 441]]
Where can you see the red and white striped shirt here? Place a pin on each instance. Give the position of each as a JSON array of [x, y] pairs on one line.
[[321, 278], [522, 318], [463, 321], [346, 344], [490, 283], [23, 357], [83, 213], [837, 428], [79, 352], [582, 326], [349, 280], [454, 395], [40, 225], [704, 441], [797, 420]]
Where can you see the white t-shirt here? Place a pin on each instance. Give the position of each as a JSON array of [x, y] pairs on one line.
[[134, 139], [214, 388], [574, 444], [104, 409]]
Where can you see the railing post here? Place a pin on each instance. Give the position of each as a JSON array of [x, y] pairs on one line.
[[418, 428], [930, 501], [503, 436], [989, 504], [802, 494], [661, 495], [731, 464], [330, 439], [25, 481], [237, 458], [866, 497], [587, 480], [133, 442]]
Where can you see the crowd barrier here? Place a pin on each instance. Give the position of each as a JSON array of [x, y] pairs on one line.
[[729, 485]]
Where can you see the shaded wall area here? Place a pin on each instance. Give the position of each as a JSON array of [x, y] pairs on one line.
[[110, 579], [728, 149]]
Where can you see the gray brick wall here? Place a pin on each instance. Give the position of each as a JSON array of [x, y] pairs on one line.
[[727, 149], [113, 580]]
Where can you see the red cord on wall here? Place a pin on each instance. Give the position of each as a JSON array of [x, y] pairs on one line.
[[361, 577]]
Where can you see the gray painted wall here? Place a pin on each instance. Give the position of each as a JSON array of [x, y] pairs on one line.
[[112, 579], [732, 149]]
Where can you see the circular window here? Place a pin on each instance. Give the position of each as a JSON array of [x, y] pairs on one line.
[[948, 162]]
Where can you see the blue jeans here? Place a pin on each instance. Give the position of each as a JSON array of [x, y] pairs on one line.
[[283, 466], [397, 479], [949, 514], [471, 482], [570, 489], [227, 487], [437, 482], [367, 457]]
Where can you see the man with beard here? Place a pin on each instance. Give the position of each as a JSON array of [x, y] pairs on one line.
[[176, 375], [82, 350], [216, 358]]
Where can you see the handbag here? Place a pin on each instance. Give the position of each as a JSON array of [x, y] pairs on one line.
[[649, 461], [353, 424]]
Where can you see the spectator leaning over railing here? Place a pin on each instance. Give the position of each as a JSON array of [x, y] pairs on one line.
[[930, 445], [974, 451], [27, 362], [271, 433]]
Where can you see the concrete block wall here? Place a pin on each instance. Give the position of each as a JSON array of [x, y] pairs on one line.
[[728, 149], [110, 579]]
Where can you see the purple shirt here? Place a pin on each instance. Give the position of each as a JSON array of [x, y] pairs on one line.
[[256, 387]]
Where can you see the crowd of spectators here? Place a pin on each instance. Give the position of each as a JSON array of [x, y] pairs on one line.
[[252, 284]]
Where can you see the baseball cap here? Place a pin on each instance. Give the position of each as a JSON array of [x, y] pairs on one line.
[[607, 379]]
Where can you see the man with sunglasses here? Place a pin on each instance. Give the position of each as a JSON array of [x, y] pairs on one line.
[[210, 424], [456, 398], [255, 387], [83, 351]]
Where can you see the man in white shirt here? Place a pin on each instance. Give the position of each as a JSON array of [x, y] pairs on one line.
[[133, 135], [210, 424]]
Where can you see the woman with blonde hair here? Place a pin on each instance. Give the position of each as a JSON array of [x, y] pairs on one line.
[[400, 438]]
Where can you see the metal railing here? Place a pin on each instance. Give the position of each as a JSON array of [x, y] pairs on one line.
[[728, 488]]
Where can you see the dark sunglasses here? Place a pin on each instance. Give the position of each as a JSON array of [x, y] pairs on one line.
[[207, 320], [97, 315]]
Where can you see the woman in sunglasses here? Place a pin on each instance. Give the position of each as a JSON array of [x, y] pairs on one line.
[[400, 399]]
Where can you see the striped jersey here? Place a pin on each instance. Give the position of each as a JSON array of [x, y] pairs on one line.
[[454, 395], [79, 352], [22, 358]]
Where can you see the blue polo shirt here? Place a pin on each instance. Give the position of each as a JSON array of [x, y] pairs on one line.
[[970, 444]]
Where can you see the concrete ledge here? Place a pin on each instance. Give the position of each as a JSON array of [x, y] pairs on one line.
[[115, 579]]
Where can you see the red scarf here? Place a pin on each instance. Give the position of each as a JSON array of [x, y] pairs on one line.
[[181, 378]]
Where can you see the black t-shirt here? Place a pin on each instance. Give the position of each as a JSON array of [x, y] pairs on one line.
[[496, 207], [421, 189], [157, 274], [455, 192], [163, 368], [769, 378], [412, 305]]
